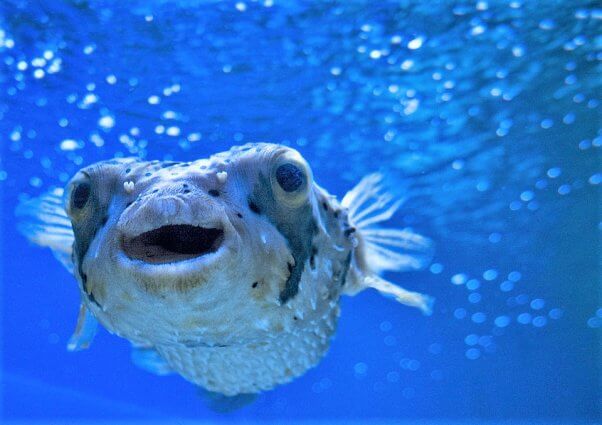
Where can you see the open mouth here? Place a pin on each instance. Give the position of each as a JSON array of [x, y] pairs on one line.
[[173, 243]]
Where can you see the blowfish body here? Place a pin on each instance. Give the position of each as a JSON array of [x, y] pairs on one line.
[[227, 270]]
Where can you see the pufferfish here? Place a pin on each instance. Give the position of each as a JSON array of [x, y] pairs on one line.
[[229, 270]]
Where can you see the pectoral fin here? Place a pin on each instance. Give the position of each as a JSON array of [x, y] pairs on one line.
[[85, 330]]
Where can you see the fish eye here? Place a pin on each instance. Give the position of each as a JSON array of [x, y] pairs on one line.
[[80, 195], [289, 177]]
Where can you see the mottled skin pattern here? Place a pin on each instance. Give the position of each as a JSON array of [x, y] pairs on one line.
[[255, 313]]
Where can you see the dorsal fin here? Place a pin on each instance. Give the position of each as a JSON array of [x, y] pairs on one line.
[[381, 249]]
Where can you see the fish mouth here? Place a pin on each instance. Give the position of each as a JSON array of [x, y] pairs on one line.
[[173, 243]]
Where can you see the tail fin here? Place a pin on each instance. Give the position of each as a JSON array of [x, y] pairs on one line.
[[381, 249], [44, 222]]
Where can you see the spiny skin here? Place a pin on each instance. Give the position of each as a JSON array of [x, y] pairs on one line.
[[257, 311]]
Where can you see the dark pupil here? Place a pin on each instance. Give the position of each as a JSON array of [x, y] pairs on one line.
[[290, 178], [80, 195]]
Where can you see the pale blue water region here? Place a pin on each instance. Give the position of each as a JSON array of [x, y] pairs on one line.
[[484, 116]]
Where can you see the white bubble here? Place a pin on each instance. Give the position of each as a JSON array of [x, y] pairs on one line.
[[173, 131], [360, 368], [490, 274], [240, 6], [39, 73], [502, 321], [564, 189], [35, 181], [524, 318], [335, 70], [15, 135], [106, 122], [407, 64], [415, 43], [459, 279], [38, 62], [154, 100], [375, 54], [70, 145], [436, 268], [194, 137], [537, 304], [111, 79], [89, 99], [478, 317], [473, 353], [22, 66], [540, 321], [460, 313]]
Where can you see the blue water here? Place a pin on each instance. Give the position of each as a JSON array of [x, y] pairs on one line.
[[484, 116]]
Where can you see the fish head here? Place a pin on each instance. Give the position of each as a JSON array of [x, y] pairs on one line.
[[200, 253]]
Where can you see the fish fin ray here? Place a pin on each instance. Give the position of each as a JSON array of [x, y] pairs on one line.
[[148, 359], [85, 330], [221, 403], [401, 295], [44, 222], [383, 249]]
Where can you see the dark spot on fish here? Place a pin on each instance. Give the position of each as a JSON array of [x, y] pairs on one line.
[[290, 267], [155, 191], [214, 193], [346, 265], [129, 203], [169, 164], [239, 215], [185, 185], [127, 171], [255, 284], [336, 214], [253, 207], [325, 206], [104, 220], [295, 318], [93, 300], [312, 258], [89, 294], [148, 174], [349, 231], [186, 190]]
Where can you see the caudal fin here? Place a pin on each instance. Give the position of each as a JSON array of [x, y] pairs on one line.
[[380, 249]]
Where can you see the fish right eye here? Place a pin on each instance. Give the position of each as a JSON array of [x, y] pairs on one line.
[[80, 195]]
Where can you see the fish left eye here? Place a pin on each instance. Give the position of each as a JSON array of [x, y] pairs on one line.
[[289, 177]]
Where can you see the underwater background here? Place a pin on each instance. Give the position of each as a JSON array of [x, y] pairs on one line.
[[484, 116]]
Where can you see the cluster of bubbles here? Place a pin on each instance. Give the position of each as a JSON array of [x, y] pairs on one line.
[[495, 130]]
